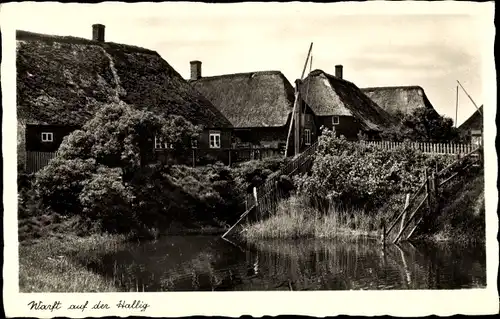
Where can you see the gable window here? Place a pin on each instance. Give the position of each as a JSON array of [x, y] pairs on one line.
[[307, 136], [47, 137], [214, 139], [160, 144], [335, 120]]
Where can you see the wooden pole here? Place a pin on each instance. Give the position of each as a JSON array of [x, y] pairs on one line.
[[470, 98], [194, 158], [256, 201], [407, 202], [456, 109], [383, 231], [295, 103], [427, 190], [410, 219], [298, 123]]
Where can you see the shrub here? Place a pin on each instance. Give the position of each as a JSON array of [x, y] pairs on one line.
[[253, 173], [364, 175]]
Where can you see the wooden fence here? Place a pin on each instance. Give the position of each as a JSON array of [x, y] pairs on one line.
[[37, 160], [266, 198], [196, 157], [435, 148], [227, 156], [426, 196]]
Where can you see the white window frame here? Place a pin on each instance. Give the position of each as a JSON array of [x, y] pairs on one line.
[[307, 138], [47, 137], [160, 145], [194, 143], [216, 139], [337, 122]]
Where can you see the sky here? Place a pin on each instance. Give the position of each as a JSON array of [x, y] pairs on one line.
[[376, 48]]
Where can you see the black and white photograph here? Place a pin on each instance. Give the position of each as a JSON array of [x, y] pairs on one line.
[[281, 148]]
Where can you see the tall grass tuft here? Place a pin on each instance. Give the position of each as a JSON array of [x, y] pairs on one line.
[[295, 218]]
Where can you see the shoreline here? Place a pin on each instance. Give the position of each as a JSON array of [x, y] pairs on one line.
[[63, 264]]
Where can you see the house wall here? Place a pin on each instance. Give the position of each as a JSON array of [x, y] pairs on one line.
[[225, 137], [308, 121], [202, 155], [348, 126], [34, 137], [261, 136]]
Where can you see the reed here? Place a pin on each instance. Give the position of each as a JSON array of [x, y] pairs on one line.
[[295, 218]]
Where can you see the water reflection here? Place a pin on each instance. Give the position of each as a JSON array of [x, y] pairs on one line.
[[207, 263]]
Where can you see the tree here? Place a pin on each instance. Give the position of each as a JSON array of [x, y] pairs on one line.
[[121, 136], [423, 125], [98, 170]]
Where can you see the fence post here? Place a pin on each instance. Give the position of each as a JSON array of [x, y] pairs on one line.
[[436, 192], [427, 190], [229, 164], [407, 202], [257, 210], [383, 231]]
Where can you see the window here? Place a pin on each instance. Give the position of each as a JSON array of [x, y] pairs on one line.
[[159, 144], [335, 120], [194, 143], [47, 137], [307, 136], [214, 140]]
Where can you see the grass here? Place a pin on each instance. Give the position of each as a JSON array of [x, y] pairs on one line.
[[462, 216], [60, 265], [296, 219]]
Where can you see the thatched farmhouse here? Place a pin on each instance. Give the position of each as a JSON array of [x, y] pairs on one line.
[[259, 105], [341, 106], [398, 100], [62, 81], [472, 128]]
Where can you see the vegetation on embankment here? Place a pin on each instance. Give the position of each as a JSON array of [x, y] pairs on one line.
[[461, 216], [60, 264], [353, 187], [295, 218], [104, 175]]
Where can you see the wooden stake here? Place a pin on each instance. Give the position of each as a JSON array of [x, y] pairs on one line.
[[383, 231], [427, 190], [405, 209]]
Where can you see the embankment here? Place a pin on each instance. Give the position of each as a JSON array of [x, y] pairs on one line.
[[461, 217]]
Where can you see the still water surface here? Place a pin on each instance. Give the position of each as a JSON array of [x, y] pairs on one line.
[[207, 263]]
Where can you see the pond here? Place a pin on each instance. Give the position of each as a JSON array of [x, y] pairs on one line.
[[209, 263]]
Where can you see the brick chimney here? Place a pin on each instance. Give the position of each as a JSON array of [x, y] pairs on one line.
[[338, 71], [195, 70], [98, 32]]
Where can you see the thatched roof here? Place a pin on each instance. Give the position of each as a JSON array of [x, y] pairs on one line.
[[64, 80], [258, 99], [474, 122], [328, 95], [395, 99]]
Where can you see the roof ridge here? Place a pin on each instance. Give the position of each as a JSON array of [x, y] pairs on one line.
[[29, 35], [331, 77], [230, 75], [393, 87]]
